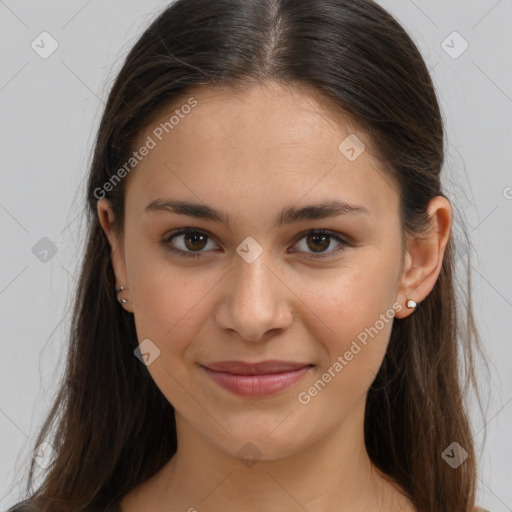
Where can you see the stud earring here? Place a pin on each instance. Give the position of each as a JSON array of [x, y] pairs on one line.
[[119, 290], [411, 304]]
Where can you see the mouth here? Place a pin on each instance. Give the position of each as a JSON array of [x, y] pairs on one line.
[[256, 379]]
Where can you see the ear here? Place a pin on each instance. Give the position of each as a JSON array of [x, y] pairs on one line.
[[106, 218], [424, 256]]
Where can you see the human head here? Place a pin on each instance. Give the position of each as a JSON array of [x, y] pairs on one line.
[[358, 63]]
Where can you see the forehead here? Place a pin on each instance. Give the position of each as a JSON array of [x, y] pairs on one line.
[[274, 141], [267, 115]]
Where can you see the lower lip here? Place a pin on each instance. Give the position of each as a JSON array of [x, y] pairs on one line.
[[257, 385]]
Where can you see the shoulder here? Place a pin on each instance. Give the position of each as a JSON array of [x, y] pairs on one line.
[[29, 506], [23, 506]]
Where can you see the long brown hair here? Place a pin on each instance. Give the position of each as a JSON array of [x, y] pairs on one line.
[[110, 425]]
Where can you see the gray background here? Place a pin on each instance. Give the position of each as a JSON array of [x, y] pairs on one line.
[[50, 111]]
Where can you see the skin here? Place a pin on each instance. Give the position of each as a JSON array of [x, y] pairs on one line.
[[251, 154]]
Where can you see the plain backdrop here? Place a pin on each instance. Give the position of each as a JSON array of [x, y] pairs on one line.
[[50, 109]]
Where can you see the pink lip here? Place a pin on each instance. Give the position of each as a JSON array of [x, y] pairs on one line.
[[262, 379], [259, 368]]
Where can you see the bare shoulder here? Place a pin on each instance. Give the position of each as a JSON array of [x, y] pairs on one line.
[[480, 509]]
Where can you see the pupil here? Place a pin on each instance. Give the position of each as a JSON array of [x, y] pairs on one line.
[[324, 238], [194, 238]]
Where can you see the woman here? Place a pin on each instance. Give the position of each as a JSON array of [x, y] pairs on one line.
[[266, 314]]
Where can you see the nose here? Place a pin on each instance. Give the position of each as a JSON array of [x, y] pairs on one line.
[[256, 301]]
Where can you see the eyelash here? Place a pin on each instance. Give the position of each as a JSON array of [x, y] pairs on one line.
[[318, 256]]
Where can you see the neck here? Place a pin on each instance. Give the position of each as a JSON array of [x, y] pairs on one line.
[[332, 474]]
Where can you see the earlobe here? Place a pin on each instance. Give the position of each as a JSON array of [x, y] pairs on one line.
[[424, 257], [411, 304]]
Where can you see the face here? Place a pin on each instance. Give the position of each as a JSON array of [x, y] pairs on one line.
[[258, 285]]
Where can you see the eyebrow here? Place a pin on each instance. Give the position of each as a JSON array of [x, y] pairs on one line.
[[289, 215]]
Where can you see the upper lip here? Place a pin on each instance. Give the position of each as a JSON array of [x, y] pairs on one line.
[[260, 368]]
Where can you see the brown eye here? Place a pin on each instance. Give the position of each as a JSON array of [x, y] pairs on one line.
[[187, 242], [195, 241], [319, 241]]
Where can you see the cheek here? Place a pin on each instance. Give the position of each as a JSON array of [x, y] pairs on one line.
[[168, 300], [171, 306], [352, 352], [355, 308]]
